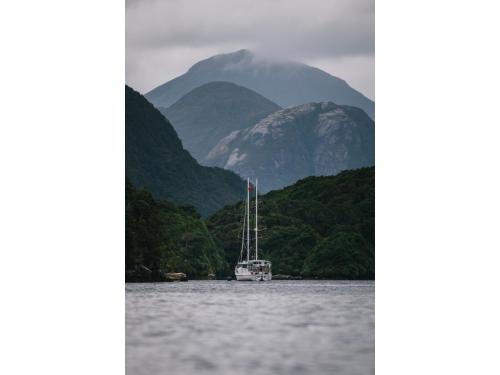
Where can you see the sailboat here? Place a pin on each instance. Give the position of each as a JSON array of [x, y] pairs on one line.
[[248, 268]]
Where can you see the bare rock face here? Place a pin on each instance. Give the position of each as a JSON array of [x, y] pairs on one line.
[[290, 144]]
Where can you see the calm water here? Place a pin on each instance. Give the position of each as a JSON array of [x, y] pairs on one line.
[[277, 327]]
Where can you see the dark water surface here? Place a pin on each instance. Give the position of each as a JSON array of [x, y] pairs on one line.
[[277, 327]]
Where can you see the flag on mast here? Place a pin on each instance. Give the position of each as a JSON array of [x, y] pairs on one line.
[[250, 187]]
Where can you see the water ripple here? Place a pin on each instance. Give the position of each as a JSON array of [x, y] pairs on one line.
[[280, 327]]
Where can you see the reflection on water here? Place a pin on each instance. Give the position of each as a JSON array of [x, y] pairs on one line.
[[277, 327]]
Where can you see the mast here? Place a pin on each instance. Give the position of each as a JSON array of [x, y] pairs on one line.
[[248, 219], [256, 220], [243, 236]]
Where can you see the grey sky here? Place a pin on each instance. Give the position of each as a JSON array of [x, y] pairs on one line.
[[165, 37]]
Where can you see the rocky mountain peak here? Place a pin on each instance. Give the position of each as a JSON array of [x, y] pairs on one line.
[[310, 139]]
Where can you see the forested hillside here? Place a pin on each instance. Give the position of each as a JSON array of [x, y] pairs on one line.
[[164, 237], [320, 227], [156, 161]]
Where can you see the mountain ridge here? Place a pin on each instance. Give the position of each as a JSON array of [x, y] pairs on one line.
[[209, 112], [287, 83], [156, 160], [293, 143]]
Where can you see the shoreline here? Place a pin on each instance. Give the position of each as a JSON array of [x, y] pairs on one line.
[[303, 279]]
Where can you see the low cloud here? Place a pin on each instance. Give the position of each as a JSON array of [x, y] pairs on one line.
[[165, 37]]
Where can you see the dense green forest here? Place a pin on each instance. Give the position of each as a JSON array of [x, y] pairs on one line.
[[156, 161], [320, 227], [162, 237]]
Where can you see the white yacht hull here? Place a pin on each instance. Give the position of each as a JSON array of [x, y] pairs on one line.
[[244, 277], [261, 276]]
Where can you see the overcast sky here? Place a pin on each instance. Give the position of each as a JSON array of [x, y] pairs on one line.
[[164, 38]]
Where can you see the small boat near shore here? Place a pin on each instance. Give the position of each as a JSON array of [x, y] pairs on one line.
[[251, 268]]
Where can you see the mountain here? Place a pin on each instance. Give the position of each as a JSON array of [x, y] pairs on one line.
[[205, 115], [164, 237], [286, 83], [319, 227], [309, 140], [155, 160]]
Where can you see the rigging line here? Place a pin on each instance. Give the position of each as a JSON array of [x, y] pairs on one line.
[[248, 219], [243, 238], [256, 220]]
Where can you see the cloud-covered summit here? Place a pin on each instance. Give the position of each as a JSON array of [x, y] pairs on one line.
[[286, 83], [164, 38]]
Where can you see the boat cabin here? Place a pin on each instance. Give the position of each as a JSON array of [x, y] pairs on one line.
[[259, 266]]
